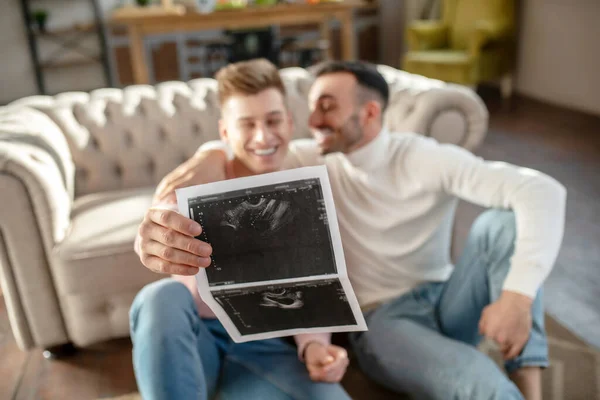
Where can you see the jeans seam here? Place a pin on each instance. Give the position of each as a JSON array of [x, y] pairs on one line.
[[526, 360], [258, 372]]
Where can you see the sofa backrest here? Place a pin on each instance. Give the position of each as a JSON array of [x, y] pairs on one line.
[[132, 137], [462, 16]]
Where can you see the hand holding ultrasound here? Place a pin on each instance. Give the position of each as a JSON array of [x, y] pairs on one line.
[[276, 256]]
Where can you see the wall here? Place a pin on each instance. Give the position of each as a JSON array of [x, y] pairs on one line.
[[16, 72], [559, 53], [17, 76]]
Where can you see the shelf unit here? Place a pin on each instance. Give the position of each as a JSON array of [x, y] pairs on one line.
[[68, 39]]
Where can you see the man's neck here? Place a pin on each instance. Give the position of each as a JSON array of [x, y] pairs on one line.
[[369, 134], [237, 169]]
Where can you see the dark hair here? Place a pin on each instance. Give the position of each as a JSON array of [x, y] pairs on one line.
[[365, 73]]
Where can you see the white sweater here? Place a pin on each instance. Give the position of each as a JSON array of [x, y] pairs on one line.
[[395, 200]]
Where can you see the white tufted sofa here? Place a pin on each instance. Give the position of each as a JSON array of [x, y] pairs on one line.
[[76, 175]]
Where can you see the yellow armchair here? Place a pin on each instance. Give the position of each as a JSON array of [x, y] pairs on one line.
[[472, 43]]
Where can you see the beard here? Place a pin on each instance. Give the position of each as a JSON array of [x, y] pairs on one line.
[[342, 138]]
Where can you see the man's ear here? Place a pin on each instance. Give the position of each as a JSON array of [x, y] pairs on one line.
[[372, 111], [223, 131]]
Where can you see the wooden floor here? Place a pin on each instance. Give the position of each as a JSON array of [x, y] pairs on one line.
[[519, 134]]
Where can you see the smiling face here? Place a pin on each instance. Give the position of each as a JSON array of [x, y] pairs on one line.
[[336, 121], [258, 128]]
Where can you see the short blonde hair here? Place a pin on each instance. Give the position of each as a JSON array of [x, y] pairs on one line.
[[248, 78]]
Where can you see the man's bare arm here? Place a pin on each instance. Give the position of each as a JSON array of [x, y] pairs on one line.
[[204, 167]]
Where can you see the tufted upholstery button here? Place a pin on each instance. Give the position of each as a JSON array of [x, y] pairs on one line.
[[151, 167], [196, 129], [83, 173], [104, 308], [108, 114], [35, 158], [128, 139], [180, 101], [142, 109], [118, 170], [162, 134], [93, 142], [79, 112]]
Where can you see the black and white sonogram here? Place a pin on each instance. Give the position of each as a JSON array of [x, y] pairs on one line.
[[261, 309], [266, 233]]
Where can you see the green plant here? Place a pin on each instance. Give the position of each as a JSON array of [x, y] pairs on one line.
[[40, 17], [143, 3]]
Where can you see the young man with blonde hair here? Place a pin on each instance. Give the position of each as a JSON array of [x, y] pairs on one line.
[[180, 350]]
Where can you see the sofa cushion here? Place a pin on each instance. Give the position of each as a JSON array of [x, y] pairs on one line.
[[96, 271], [104, 224]]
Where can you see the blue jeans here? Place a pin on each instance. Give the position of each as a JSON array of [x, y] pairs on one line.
[[178, 355], [423, 343]]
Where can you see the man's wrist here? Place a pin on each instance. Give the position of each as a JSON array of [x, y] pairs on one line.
[[307, 345], [517, 298]]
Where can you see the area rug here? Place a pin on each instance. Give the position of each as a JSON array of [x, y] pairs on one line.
[[574, 373]]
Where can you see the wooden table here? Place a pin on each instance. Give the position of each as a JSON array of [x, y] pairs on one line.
[[140, 22]]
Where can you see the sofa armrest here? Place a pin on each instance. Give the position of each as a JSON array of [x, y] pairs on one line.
[[449, 113], [22, 124], [426, 35], [487, 31], [36, 186]]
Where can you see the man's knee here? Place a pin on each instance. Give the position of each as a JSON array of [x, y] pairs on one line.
[[158, 305], [475, 377], [482, 378], [496, 231], [428, 371]]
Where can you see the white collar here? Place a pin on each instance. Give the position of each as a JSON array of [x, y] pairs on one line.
[[371, 155]]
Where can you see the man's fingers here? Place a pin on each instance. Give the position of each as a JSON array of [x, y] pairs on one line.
[[165, 196], [501, 340], [171, 238], [175, 221], [339, 365], [175, 255], [514, 350], [316, 374], [482, 327], [336, 374], [176, 182], [341, 360], [151, 231], [337, 377], [164, 267], [167, 191], [320, 356]]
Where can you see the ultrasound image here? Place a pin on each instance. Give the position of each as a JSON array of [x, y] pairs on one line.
[[266, 233], [288, 306]]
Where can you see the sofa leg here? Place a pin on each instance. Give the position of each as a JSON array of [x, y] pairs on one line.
[[506, 89], [506, 86], [59, 352]]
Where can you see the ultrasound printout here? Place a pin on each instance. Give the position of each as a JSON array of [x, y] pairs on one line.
[[266, 233], [287, 306], [277, 266]]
